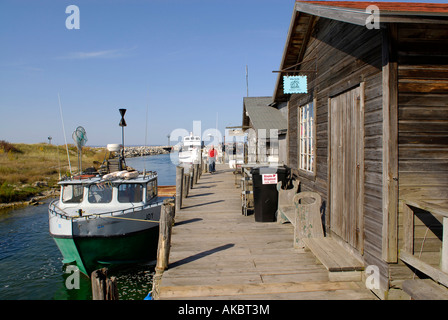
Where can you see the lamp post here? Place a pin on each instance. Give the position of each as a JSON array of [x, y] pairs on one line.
[[122, 124]]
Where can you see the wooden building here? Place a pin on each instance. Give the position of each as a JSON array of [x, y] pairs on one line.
[[372, 130], [266, 130]]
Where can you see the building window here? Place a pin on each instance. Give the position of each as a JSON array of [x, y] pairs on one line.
[[306, 137]]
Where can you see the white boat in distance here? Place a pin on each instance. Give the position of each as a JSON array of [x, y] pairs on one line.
[[190, 151]]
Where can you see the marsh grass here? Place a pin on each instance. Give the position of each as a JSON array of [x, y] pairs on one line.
[[22, 165]]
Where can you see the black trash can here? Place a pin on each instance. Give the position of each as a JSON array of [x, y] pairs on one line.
[[265, 191]]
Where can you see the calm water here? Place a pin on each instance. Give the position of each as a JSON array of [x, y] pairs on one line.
[[31, 264]]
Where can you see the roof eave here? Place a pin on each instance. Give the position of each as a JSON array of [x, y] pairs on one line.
[[353, 16], [294, 16], [359, 16]]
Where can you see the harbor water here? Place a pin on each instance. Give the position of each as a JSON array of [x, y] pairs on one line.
[[31, 264]]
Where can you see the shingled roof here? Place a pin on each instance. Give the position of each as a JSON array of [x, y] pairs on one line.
[[261, 115]]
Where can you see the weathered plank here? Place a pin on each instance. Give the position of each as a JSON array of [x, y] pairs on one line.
[[332, 255], [256, 288], [425, 289]]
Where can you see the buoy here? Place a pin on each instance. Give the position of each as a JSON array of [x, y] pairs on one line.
[[148, 297]]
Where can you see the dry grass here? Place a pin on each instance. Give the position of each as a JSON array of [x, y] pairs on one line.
[[21, 165]]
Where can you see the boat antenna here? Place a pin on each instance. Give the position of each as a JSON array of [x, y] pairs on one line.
[[122, 124], [146, 134], [65, 138], [59, 162]]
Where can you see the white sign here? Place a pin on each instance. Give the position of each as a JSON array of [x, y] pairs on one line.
[[269, 178]]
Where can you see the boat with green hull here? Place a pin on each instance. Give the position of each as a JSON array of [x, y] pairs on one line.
[[103, 220]]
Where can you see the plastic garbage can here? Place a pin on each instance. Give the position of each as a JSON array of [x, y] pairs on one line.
[[265, 191]]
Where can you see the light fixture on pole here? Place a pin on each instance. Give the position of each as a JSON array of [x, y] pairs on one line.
[[122, 124]]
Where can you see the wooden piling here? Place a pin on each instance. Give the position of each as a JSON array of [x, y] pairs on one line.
[[165, 225], [191, 177], [205, 168], [103, 288], [179, 187], [196, 173], [186, 185]]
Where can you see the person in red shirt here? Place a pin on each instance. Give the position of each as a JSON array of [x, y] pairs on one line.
[[211, 160]]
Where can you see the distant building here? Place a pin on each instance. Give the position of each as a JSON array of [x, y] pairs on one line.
[[266, 127]]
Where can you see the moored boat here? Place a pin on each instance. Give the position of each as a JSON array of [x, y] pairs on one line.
[[190, 151], [97, 222]]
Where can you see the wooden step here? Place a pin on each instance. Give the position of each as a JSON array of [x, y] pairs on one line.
[[173, 292], [425, 289], [333, 255]]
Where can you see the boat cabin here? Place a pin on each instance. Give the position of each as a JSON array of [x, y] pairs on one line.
[[97, 194], [190, 142]]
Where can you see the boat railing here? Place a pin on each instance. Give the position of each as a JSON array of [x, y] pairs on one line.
[[146, 175], [64, 215]]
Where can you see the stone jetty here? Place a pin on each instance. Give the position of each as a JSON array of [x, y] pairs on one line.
[[130, 152]]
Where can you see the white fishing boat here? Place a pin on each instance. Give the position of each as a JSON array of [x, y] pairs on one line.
[[190, 151], [109, 216], [109, 219]]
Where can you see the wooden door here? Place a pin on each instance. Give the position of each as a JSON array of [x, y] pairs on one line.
[[346, 142]]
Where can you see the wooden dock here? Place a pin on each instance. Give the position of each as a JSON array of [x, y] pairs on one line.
[[218, 253]]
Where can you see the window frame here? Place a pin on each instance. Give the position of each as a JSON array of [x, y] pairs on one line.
[[154, 185], [128, 185], [73, 193], [99, 185], [303, 142]]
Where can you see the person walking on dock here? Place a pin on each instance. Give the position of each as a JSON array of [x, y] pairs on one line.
[[211, 160]]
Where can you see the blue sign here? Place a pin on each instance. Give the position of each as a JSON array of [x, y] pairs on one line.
[[294, 84]]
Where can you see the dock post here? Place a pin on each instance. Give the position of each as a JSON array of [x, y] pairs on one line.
[[205, 165], [191, 177], [186, 184], [103, 288], [196, 173], [166, 223], [179, 187]]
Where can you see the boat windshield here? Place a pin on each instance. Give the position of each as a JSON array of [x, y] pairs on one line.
[[100, 193], [151, 190], [72, 193], [130, 192]]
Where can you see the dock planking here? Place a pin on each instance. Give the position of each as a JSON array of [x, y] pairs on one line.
[[218, 253]]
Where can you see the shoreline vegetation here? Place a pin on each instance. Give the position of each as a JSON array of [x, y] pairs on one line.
[[29, 173]]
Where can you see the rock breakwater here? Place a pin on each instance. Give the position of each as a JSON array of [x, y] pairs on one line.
[[131, 152]]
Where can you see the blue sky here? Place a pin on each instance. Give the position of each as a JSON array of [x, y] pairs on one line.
[[184, 60]]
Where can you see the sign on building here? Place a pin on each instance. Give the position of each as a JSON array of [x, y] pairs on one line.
[[294, 84]]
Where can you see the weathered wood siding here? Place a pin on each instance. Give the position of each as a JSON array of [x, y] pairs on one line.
[[423, 129], [346, 56]]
